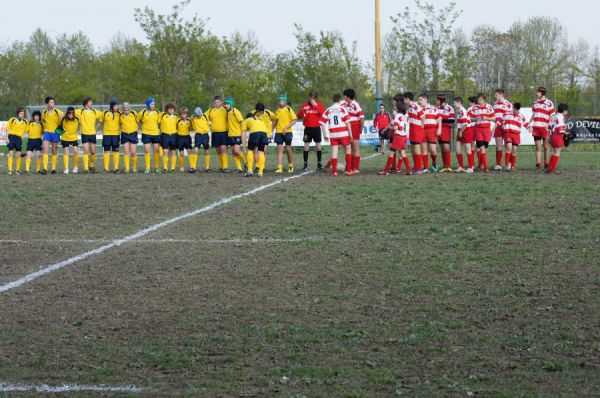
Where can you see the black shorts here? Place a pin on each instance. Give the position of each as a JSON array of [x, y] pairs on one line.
[[312, 134], [202, 140], [219, 139], [281, 138], [129, 138], [15, 143], [34, 145], [384, 135], [150, 139], [184, 142], [482, 144], [538, 138], [66, 144], [258, 140], [111, 143], [443, 142], [88, 139], [231, 141], [168, 141]]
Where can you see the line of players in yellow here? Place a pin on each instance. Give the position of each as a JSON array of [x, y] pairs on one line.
[[165, 135]]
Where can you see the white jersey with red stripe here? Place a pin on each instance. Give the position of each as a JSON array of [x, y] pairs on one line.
[[415, 113], [462, 118], [446, 112], [514, 123], [432, 115], [335, 118], [543, 110], [477, 113], [558, 124], [501, 109], [354, 111], [400, 121]]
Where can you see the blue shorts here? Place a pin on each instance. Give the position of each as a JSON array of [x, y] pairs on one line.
[[219, 139], [110, 143], [52, 137], [88, 139], [281, 138], [129, 138], [231, 141], [184, 142], [66, 144], [150, 139], [168, 142], [202, 140], [34, 145], [15, 143], [258, 140]]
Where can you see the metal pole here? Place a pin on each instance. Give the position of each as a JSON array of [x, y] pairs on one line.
[[378, 62]]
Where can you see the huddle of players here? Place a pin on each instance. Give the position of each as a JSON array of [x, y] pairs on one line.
[[430, 125], [166, 135]]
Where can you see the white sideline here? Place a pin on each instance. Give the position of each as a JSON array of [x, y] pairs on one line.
[[175, 240], [143, 232], [7, 387]]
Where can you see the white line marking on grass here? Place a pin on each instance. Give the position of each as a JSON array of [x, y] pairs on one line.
[[174, 240], [143, 232], [7, 387]]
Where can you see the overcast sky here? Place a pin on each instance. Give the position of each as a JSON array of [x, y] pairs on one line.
[[273, 20]]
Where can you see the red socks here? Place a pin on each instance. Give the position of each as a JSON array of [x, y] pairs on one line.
[[417, 161], [498, 158], [513, 161], [484, 161], [447, 156], [390, 163], [356, 163], [407, 164], [434, 160], [507, 158], [461, 161], [349, 162], [399, 164], [553, 162], [425, 160], [471, 160], [479, 160], [334, 164]]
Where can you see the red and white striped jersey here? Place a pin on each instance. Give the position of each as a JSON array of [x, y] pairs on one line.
[[432, 115], [478, 112], [514, 123], [415, 113], [446, 112], [354, 110], [542, 113], [462, 118], [335, 118], [558, 124], [400, 124], [502, 108]]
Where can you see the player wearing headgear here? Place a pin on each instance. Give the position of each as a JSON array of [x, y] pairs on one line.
[[129, 137], [70, 127], [357, 124], [184, 139], [447, 116], [51, 118], [89, 119], [34, 142], [150, 133], [336, 121], [111, 134], [311, 113], [558, 130], [512, 124], [286, 120], [200, 125], [502, 107], [398, 141], [432, 126], [16, 127], [543, 110], [218, 119], [234, 136], [168, 137], [482, 115], [414, 113], [254, 125]]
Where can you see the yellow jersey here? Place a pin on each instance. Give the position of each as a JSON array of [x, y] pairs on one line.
[[36, 130], [234, 122], [111, 123], [88, 119], [129, 124], [168, 123], [51, 119], [217, 119], [70, 127], [17, 127], [284, 116], [200, 124], [267, 117], [253, 125], [183, 127], [149, 121]]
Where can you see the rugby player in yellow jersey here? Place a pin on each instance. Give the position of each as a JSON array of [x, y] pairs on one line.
[[234, 136], [111, 134], [168, 137], [34, 142], [257, 140], [286, 120], [89, 118], [16, 127], [129, 137], [217, 117], [269, 120], [70, 127], [150, 133], [201, 139], [184, 139], [51, 118]]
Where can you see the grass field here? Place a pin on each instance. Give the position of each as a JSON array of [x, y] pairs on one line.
[[438, 285]]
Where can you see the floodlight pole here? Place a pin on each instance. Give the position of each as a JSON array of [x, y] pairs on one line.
[[378, 62]]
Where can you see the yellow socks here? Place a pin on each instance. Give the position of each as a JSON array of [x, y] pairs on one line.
[[38, 164], [106, 159], [27, 164], [116, 160], [134, 161], [250, 161], [238, 162], [182, 161], [45, 156], [261, 162], [54, 160], [225, 161], [93, 160], [126, 161], [157, 160], [10, 164], [147, 160], [220, 160], [207, 162], [243, 157], [173, 161], [165, 160], [18, 156], [193, 159], [86, 162], [76, 161], [66, 161]]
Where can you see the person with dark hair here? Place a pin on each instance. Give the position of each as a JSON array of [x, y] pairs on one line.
[[558, 130], [416, 134], [34, 142], [286, 120], [269, 119], [234, 133], [129, 137], [432, 125], [482, 115], [543, 110], [168, 137], [398, 141], [311, 112], [51, 118], [184, 139], [447, 117], [89, 119], [111, 134], [357, 124], [70, 126], [16, 127], [502, 107], [257, 140], [512, 124], [218, 118], [383, 125]]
